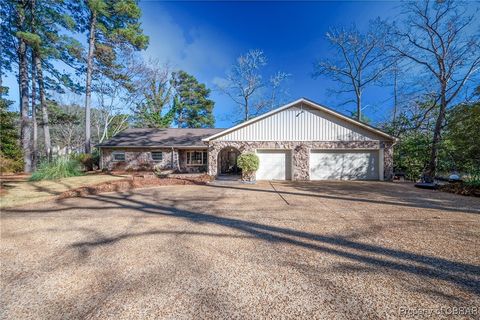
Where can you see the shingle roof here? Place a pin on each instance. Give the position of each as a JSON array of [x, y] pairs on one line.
[[168, 137]]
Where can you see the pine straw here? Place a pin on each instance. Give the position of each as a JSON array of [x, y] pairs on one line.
[[132, 183], [461, 188]]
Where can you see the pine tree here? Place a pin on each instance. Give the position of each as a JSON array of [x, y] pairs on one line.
[[24, 37], [111, 25], [33, 29], [9, 139], [194, 109]]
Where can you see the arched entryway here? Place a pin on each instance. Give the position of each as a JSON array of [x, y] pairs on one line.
[[227, 161]]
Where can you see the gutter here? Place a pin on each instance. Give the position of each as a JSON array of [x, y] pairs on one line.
[[153, 147]]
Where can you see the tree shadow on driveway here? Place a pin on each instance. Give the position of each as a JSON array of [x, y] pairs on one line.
[[464, 275], [371, 193], [383, 259]]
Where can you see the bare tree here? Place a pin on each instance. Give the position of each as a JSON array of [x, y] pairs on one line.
[[436, 39], [152, 104], [359, 60], [110, 117], [117, 96], [68, 129], [245, 84], [278, 91]]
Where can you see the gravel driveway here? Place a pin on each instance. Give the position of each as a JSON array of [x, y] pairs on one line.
[[331, 250]]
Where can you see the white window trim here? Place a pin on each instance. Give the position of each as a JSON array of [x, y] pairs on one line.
[[151, 156], [198, 164], [119, 152]]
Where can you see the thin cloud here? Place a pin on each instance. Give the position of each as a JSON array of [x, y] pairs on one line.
[[200, 50]]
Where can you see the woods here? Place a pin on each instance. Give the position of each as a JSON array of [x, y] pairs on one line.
[[63, 50], [434, 52], [82, 79]]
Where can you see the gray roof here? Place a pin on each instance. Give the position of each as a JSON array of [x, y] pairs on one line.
[[168, 137]]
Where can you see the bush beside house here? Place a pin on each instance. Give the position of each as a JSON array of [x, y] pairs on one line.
[[249, 163], [60, 167]]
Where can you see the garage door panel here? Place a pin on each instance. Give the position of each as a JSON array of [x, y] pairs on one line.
[[344, 165], [274, 165]]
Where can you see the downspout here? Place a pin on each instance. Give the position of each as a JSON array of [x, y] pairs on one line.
[[172, 159], [101, 158]]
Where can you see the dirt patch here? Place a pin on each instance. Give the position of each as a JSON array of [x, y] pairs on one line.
[[137, 181], [461, 188]]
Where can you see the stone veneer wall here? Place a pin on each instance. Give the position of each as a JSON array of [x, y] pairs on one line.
[[300, 153], [139, 159], [387, 160]]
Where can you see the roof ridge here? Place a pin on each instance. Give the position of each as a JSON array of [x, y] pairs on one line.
[[293, 103], [180, 128]]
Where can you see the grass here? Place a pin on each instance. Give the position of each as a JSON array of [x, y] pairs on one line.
[[60, 167], [21, 192]]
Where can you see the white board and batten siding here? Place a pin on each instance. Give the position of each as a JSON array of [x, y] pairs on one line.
[[299, 123]]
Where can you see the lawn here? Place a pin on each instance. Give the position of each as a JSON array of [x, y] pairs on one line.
[[19, 191]]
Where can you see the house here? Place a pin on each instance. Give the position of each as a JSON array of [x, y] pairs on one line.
[[301, 140]]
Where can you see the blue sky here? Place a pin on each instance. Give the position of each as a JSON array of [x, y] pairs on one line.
[[205, 38]]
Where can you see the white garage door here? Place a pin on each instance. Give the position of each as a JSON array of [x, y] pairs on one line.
[[344, 165], [274, 165]]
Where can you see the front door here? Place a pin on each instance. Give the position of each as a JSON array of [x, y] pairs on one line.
[[228, 161]]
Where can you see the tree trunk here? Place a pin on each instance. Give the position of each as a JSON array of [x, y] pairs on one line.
[[246, 110], [431, 169], [25, 130], [359, 106], [395, 96], [34, 90], [34, 117], [88, 87], [1, 79], [43, 103]]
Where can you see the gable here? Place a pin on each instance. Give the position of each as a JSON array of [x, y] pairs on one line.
[[301, 122]]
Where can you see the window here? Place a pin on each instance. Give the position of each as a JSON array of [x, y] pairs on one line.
[[119, 156], [157, 155], [196, 158]]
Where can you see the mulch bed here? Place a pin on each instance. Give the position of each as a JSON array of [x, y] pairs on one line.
[[461, 188], [14, 177], [136, 181]]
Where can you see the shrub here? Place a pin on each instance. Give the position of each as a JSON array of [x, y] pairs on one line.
[[96, 158], [473, 179], [161, 172], [61, 167], [8, 165], [89, 161], [248, 162], [85, 159]]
